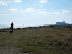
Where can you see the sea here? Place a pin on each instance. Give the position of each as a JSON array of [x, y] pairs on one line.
[[3, 26]]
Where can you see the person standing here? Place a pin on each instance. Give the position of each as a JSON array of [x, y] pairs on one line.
[[12, 26]]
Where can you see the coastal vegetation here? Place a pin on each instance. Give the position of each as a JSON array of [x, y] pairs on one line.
[[54, 39]]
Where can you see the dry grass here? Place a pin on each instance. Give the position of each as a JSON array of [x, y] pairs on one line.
[[41, 40]]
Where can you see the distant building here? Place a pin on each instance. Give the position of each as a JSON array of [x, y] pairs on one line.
[[61, 23]]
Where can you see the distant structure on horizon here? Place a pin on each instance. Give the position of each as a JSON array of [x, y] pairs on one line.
[[61, 23]]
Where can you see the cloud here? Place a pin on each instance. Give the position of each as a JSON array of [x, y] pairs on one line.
[[46, 12], [30, 10], [2, 3], [65, 11], [43, 1], [34, 11], [7, 2], [13, 10], [17, 1], [53, 13], [38, 11], [60, 12]]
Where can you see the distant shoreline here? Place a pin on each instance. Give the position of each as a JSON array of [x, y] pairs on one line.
[[7, 27]]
